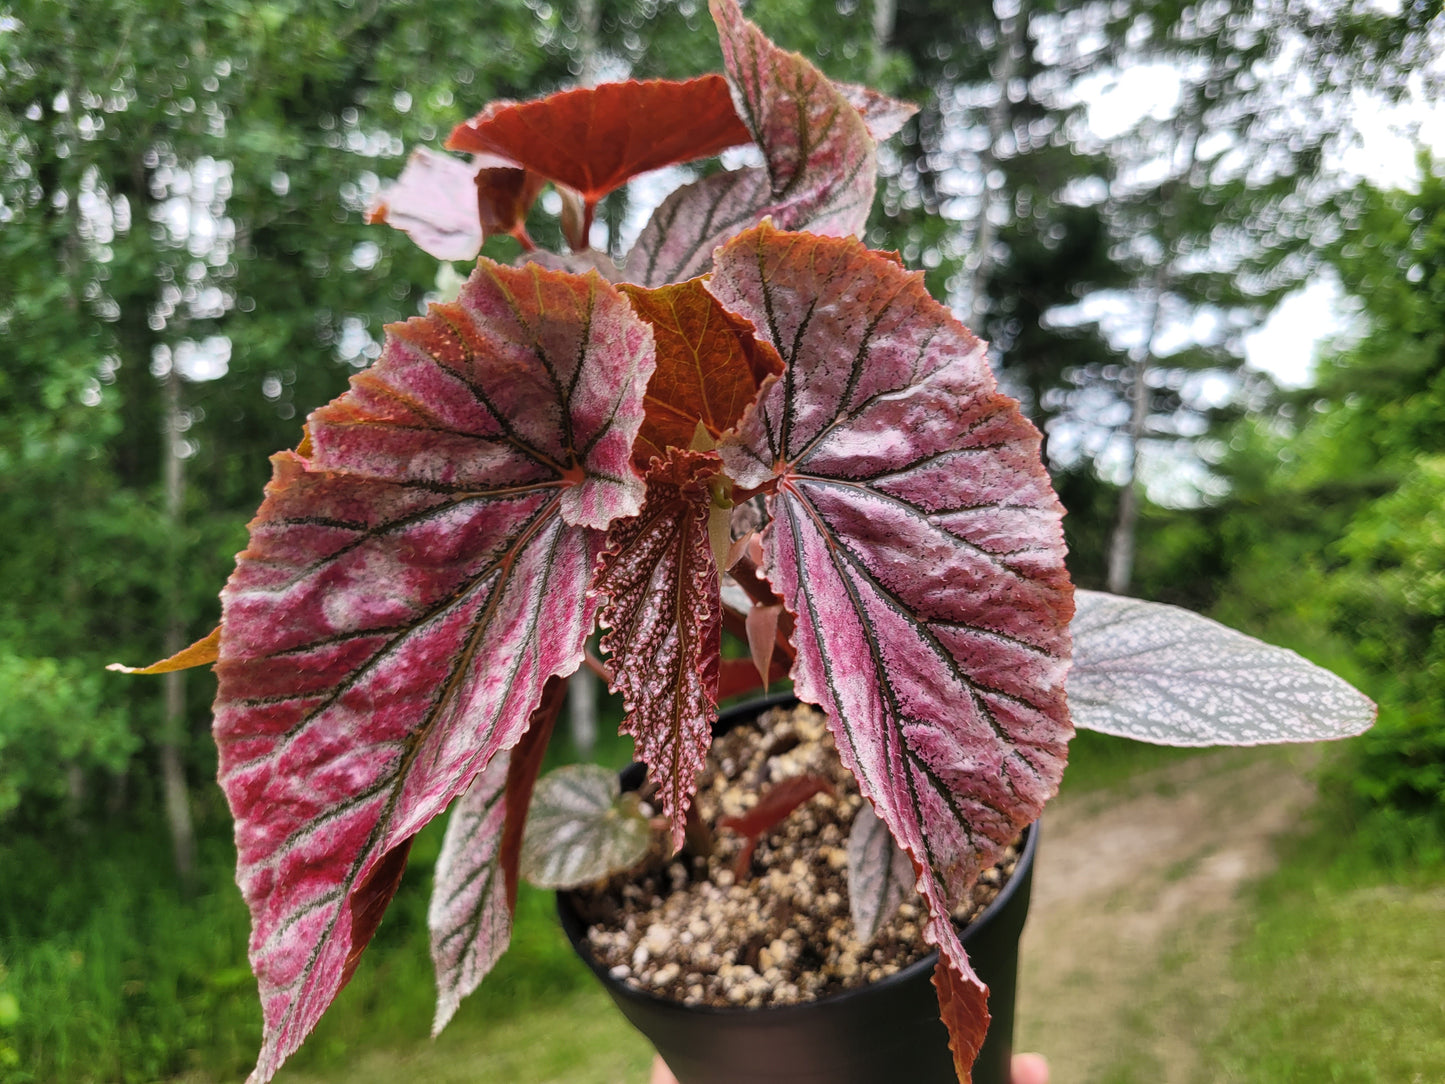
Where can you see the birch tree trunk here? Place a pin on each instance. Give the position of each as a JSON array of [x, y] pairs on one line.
[[173, 720], [1121, 545]]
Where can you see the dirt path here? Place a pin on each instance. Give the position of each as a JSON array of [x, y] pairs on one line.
[[1125, 959]]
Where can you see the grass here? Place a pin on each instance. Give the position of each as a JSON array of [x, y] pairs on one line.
[[576, 1038], [111, 974], [108, 973], [1342, 976]]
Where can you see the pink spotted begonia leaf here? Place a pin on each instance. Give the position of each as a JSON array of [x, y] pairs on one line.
[[664, 622], [883, 115], [820, 163], [407, 591], [917, 541]]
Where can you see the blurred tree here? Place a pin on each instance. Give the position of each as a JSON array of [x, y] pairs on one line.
[[186, 275], [1333, 535], [1226, 199]]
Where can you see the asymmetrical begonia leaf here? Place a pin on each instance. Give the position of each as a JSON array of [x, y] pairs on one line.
[[815, 145], [917, 541], [883, 115], [434, 202], [820, 163], [664, 622], [201, 653], [709, 367], [407, 591], [594, 139], [581, 828], [475, 891], [469, 919], [880, 874], [1160, 674]]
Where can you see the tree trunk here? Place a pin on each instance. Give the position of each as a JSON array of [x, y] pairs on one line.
[[885, 17], [1121, 546], [173, 721]]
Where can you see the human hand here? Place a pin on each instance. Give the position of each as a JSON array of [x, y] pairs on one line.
[[1026, 1069]]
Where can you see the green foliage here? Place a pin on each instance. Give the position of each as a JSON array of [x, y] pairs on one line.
[[1333, 539], [55, 720], [114, 975], [109, 973]]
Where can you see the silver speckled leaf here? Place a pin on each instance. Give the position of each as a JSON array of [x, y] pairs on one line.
[[880, 874], [469, 919], [581, 828], [1165, 675]]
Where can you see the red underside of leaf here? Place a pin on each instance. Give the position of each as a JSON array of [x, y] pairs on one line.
[[709, 367], [664, 622], [593, 139], [370, 901], [917, 541], [963, 1006], [738, 676], [522, 772], [504, 196]]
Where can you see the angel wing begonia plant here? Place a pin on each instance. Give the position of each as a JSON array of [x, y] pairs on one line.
[[559, 448]]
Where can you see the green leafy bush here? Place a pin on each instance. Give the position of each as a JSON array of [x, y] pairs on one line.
[[54, 722]]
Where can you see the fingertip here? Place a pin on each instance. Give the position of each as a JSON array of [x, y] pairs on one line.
[[1029, 1069]]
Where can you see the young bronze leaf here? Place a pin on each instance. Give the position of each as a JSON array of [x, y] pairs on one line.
[[820, 171], [1160, 674], [201, 653], [709, 367], [962, 996], [880, 874], [916, 538], [664, 622], [469, 919], [594, 139], [406, 592], [581, 828]]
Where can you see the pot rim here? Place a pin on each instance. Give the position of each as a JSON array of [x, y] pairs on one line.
[[576, 930]]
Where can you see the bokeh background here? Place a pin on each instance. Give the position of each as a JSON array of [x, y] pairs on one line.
[[1206, 241]]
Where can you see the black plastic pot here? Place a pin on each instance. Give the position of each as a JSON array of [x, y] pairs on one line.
[[885, 1033]]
